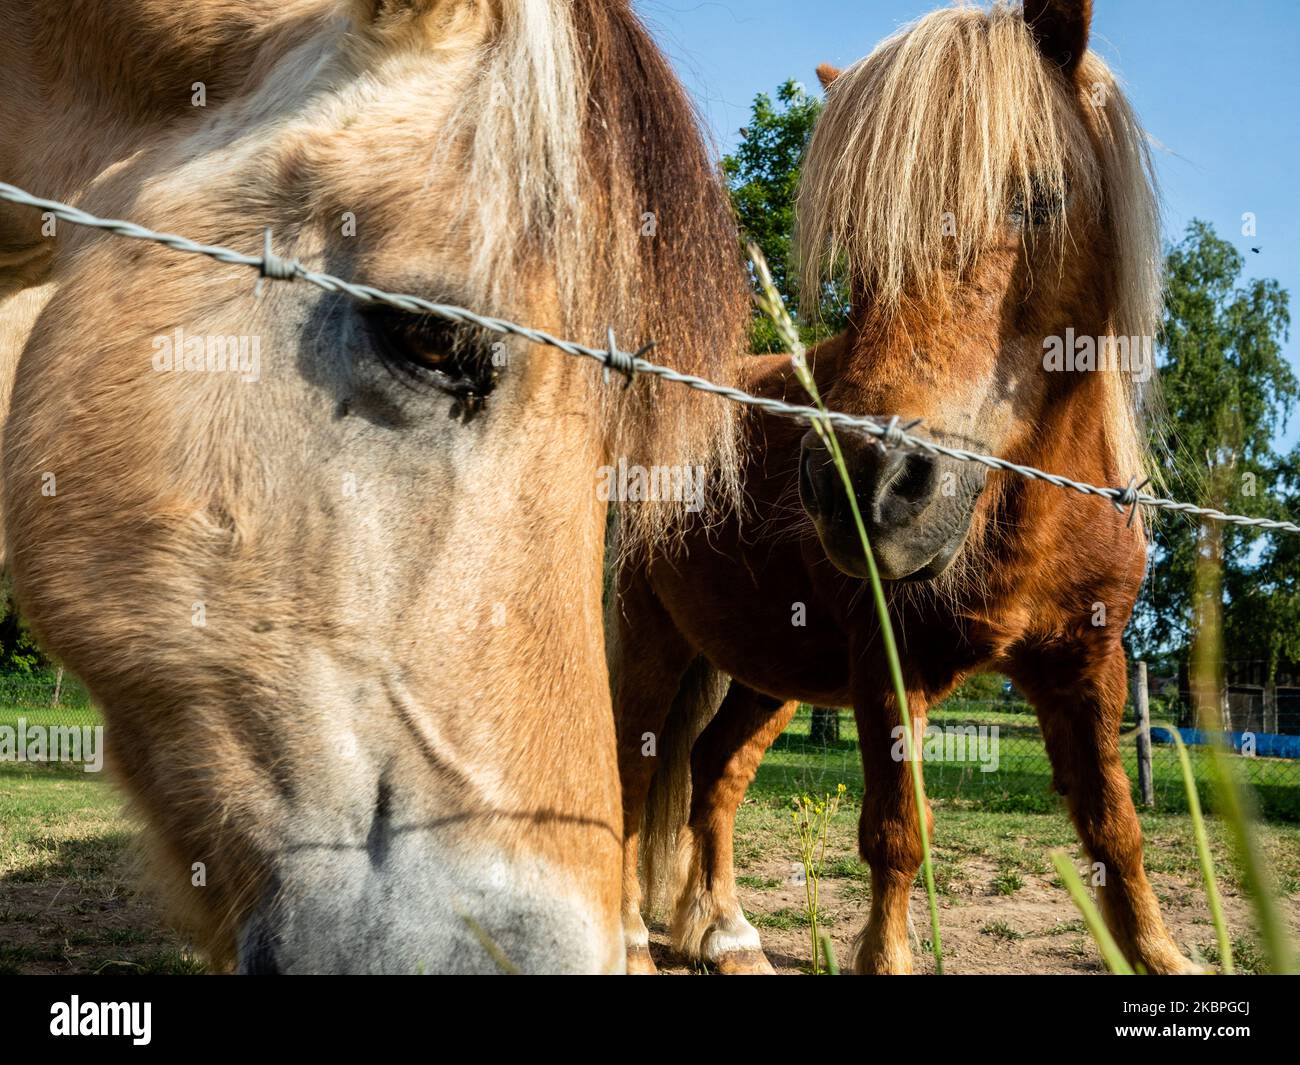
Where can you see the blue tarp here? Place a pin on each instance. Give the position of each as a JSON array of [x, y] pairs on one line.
[[1267, 744]]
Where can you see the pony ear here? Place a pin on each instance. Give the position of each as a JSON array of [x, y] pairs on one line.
[[1061, 29], [826, 74]]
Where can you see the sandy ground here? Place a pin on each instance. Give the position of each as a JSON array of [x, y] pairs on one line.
[[1001, 907], [1035, 930]]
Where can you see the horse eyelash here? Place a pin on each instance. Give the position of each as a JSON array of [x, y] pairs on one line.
[[429, 351], [1042, 207]]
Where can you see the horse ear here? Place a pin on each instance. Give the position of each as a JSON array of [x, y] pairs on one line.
[[1061, 29], [826, 74]]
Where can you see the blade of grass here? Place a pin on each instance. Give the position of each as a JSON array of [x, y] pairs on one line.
[[1203, 853], [828, 952], [1110, 951], [770, 302], [490, 945], [1232, 803]]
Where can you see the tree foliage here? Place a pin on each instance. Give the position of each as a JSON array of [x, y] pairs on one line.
[[19, 653], [763, 175], [1227, 391]]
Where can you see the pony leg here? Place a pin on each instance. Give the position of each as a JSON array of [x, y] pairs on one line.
[[1080, 713], [708, 923], [889, 837], [643, 684]]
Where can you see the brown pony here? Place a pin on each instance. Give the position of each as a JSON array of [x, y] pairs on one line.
[[986, 183], [345, 625]]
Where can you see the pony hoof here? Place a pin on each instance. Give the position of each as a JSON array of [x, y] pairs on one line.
[[639, 962], [884, 963], [1172, 964], [743, 963]]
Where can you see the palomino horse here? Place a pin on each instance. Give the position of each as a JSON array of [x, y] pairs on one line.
[[345, 623], [988, 187]]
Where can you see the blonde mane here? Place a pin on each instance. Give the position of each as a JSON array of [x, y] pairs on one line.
[[952, 119], [585, 153]]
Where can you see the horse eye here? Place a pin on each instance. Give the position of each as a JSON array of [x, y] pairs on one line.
[[426, 349], [1042, 206]]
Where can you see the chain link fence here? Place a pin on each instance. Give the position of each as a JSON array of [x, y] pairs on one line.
[[989, 754], [47, 718]]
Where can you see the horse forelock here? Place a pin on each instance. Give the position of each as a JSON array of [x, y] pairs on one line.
[[567, 158]]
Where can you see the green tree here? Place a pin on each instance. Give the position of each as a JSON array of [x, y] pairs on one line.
[[1227, 391], [19, 652], [763, 175]]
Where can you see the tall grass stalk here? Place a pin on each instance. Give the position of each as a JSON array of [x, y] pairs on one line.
[[771, 303], [1205, 857], [1232, 802]]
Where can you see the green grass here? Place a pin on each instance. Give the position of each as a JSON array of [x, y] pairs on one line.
[[1001, 930], [1008, 882], [68, 898], [787, 918], [1022, 781]]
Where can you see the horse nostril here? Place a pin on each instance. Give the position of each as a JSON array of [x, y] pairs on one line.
[[808, 480], [256, 948], [915, 481]]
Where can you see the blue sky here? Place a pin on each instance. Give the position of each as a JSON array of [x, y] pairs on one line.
[[1216, 84]]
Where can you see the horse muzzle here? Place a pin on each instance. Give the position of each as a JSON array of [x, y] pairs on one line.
[[916, 508], [426, 908]]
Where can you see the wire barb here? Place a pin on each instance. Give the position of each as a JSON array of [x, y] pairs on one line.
[[273, 266], [894, 435], [1128, 498], [888, 434], [621, 362]]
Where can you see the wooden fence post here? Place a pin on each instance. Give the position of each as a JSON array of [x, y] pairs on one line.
[[1270, 707], [58, 686], [825, 726], [1142, 712]]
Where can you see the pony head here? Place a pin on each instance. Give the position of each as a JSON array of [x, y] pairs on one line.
[[334, 570], [981, 179]]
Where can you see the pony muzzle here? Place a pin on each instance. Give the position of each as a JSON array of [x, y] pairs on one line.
[[429, 906], [916, 508]]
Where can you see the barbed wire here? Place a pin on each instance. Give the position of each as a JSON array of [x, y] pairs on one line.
[[887, 431]]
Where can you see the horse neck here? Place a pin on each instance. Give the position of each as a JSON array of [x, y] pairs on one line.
[[1042, 527], [1075, 436]]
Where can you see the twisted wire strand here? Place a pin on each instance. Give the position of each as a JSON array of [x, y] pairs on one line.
[[628, 364]]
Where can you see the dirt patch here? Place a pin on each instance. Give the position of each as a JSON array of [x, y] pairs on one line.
[[1034, 930], [1001, 908], [63, 926]]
